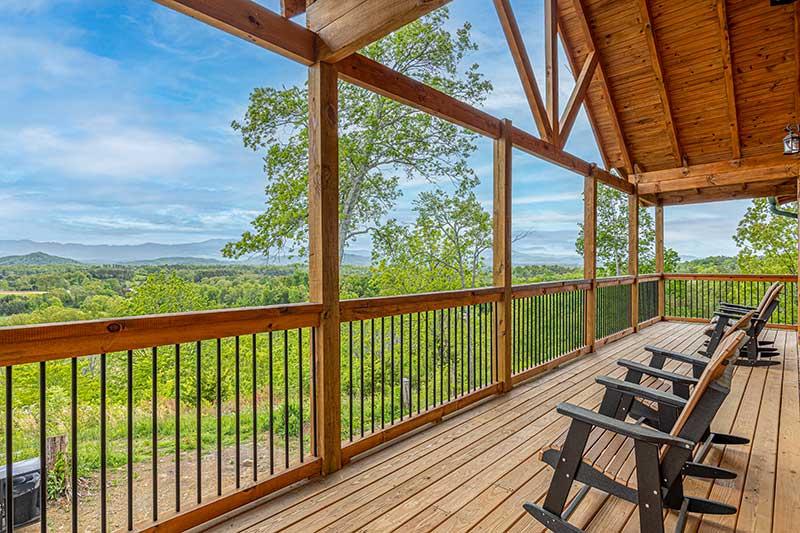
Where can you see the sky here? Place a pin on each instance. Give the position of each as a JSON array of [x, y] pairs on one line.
[[115, 129]]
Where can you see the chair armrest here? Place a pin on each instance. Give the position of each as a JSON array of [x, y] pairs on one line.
[[699, 362], [657, 372], [737, 306], [635, 431], [640, 391], [729, 315]]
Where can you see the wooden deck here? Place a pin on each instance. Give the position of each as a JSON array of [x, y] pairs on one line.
[[473, 471]]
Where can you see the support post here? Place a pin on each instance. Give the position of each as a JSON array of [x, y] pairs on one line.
[[323, 258], [633, 256], [590, 257], [660, 257], [798, 256], [501, 252]]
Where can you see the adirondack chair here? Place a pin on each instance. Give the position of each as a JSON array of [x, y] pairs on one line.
[[661, 459], [628, 406]]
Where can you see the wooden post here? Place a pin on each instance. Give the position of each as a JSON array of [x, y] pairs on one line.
[[660, 257], [501, 253], [551, 68], [798, 256], [323, 257], [633, 256], [590, 256]]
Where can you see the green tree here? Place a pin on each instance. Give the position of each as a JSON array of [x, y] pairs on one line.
[[166, 292], [612, 236], [380, 141], [443, 249], [767, 242]]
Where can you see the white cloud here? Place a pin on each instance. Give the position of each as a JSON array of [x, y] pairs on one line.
[[545, 198], [108, 149]]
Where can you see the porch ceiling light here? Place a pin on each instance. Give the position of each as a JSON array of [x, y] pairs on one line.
[[791, 143]]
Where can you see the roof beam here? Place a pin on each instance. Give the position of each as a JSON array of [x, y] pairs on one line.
[[268, 29], [709, 175], [729, 192], [576, 98], [524, 69], [797, 62], [727, 70], [346, 26], [614, 116], [655, 61], [254, 23], [551, 67], [292, 8]]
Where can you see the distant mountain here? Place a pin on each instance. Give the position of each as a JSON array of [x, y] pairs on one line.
[[37, 259], [115, 253], [164, 261]]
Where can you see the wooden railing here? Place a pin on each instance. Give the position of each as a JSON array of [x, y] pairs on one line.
[[695, 297], [230, 396]]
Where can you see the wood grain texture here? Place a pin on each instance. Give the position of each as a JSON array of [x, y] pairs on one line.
[[501, 252], [590, 257]]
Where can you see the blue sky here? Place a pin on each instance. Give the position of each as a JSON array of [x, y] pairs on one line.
[[115, 128]]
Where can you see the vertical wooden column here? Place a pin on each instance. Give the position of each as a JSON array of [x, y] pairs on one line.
[[551, 67], [633, 256], [590, 257], [323, 257], [660, 257], [798, 255], [501, 250]]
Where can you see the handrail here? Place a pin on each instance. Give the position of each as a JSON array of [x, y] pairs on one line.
[[649, 277], [550, 287], [733, 277], [616, 280], [383, 306], [45, 342]]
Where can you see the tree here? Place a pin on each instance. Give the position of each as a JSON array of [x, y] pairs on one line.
[[381, 141], [612, 236], [767, 242], [443, 249]]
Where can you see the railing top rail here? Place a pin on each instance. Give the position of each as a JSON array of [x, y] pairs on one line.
[[385, 306], [734, 277], [616, 280], [650, 277], [550, 287], [43, 342]]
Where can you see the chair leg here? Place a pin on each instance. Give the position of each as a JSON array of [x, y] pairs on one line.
[[568, 463], [648, 478]]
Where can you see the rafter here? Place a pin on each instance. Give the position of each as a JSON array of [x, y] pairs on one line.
[[727, 70], [523, 64], [576, 98], [292, 8], [551, 67], [797, 63], [737, 191], [346, 26], [580, 12], [655, 61]]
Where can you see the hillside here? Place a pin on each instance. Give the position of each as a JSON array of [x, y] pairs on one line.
[[36, 259]]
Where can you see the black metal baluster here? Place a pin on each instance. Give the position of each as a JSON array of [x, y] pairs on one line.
[[434, 356], [237, 370], [254, 386], [427, 367], [198, 422], [271, 408], [286, 398], [391, 367], [419, 363], [10, 452], [449, 358], [177, 428], [43, 445], [103, 447], [372, 372], [361, 368], [402, 343], [154, 414], [350, 384], [313, 378], [383, 373], [300, 388], [219, 417]]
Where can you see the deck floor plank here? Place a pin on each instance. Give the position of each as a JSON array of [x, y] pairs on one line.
[[474, 470]]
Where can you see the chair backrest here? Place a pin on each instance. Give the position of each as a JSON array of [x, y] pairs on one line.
[[742, 323], [771, 294], [728, 349]]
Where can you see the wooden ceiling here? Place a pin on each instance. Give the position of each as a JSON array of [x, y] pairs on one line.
[[701, 88]]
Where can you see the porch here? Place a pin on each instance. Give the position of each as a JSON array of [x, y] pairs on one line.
[[474, 470]]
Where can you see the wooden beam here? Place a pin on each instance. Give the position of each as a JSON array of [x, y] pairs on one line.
[[580, 11], [660, 257], [522, 61], [727, 71], [590, 257], [797, 64], [551, 67], [501, 251], [633, 256], [346, 26], [254, 23], [797, 285], [729, 192], [658, 71], [577, 97], [323, 259], [292, 8], [741, 171]]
